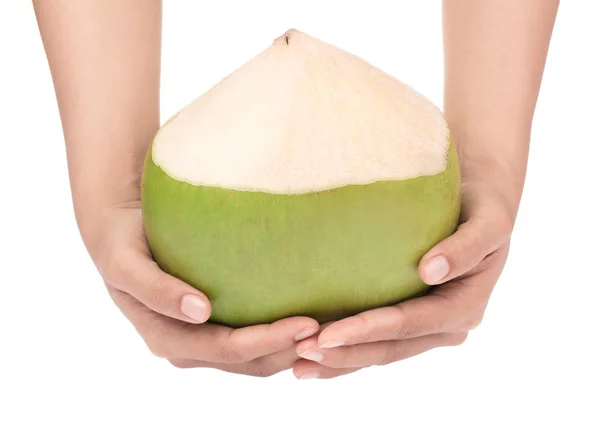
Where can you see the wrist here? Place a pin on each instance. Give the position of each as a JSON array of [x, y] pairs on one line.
[[493, 148], [95, 206], [503, 178]]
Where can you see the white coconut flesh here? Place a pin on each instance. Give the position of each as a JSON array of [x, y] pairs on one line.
[[303, 116]]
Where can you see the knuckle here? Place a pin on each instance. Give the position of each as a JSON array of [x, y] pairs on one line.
[[407, 327], [179, 364], [228, 354], [157, 348], [473, 321], [363, 328], [260, 371], [158, 294], [393, 353], [458, 338], [342, 359], [155, 339]]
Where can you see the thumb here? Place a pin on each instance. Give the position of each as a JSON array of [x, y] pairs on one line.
[[135, 273], [466, 248]]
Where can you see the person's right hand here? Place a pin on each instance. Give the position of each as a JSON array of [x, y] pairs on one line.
[[170, 315]]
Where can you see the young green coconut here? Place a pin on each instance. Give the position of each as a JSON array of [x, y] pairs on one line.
[[307, 182]]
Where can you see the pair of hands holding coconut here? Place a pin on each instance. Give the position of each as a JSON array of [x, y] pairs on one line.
[[465, 268], [492, 83]]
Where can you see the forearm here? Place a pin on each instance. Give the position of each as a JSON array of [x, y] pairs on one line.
[[105, 62], [495, 52]]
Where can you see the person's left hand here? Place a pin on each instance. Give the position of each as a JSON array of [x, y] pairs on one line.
[[471, 262]]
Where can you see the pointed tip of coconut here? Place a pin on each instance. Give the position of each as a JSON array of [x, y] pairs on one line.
[[304, 120], [287, 36], [295, 37]]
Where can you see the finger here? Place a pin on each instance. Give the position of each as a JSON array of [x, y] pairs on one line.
[[377, 353], [171, 338], [135, 273], [261, 367], [454, 307], [220, 344], [484, 231], [414, 318], [305, 369]]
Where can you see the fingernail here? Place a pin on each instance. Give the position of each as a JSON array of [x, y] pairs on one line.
[[312, 355], [305, 333], [309, 375], [332, 344], [436, 270], [193, 307]]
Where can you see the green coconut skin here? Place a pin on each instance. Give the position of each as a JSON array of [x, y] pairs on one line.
[[260, 257]]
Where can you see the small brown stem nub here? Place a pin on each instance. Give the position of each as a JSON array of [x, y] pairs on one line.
[[287, 39]]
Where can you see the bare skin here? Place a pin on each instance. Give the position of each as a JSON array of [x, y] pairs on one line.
[[105, 63]]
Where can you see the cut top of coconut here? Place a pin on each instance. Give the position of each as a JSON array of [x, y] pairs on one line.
[[303, 116]]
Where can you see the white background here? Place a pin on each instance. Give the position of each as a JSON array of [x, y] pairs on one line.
[[68, 355]]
